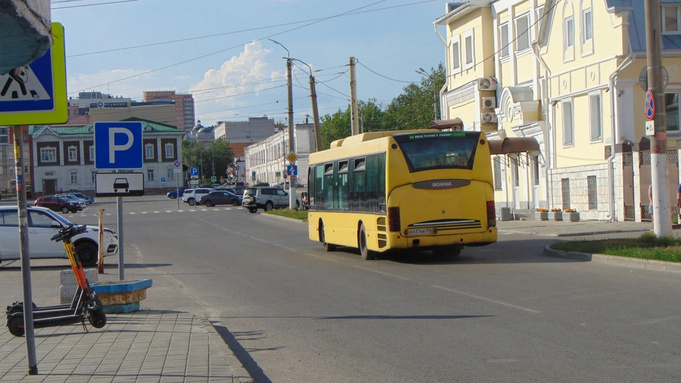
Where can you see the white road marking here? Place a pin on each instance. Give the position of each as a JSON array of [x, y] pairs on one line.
[[384, 273], [487, 299]]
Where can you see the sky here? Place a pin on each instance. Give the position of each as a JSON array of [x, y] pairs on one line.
[[222, 52]]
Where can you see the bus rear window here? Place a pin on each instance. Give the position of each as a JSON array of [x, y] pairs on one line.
[[439, 150]]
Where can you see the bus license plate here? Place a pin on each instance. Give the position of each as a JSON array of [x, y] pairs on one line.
[[420, 231]]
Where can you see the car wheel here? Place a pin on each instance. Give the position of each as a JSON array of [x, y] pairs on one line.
[[64, 209], [210, 203], [87, 254], [252, 209], [362, 244], [191, 202], [322, 238], [269, 206], [74, 210], [236, 202], [172, 197]]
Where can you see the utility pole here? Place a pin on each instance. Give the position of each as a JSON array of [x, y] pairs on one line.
[[354, 110], [315, 111], [662, 222], [291, 144]]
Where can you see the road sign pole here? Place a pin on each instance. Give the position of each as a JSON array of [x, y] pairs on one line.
[[121, 257], [24, 251]]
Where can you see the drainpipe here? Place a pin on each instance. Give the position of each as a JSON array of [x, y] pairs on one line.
[[549, 132], [614, 125]]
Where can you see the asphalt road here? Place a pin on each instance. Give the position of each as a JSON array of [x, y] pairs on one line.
[[294, 313]]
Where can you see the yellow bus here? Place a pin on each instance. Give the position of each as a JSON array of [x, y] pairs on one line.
[[422, 190]]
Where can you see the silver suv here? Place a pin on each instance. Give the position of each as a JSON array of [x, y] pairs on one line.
[[193, 196], [266, 198]]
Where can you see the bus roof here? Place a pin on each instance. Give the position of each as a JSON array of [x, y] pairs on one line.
[[363, 137]]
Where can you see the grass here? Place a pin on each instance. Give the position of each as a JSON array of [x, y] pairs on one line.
[[648, 246], [288, 213]]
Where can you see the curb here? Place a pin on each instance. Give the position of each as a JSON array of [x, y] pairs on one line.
[[239, 372], [614, 260]]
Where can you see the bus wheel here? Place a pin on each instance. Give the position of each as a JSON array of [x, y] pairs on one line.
[[322, 238], [362, 242], [451, 251]]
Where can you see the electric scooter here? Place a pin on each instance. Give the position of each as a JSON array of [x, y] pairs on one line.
[[85, 303]]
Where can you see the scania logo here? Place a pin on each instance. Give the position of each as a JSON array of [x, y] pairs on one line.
[[442, 184]]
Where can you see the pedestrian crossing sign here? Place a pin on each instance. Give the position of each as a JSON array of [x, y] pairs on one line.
[[36, 93]]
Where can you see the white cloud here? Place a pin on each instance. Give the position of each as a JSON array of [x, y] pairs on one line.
[[238, 80]]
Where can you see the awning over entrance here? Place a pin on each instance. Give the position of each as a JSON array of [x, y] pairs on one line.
[[454, 124], [514, 145]]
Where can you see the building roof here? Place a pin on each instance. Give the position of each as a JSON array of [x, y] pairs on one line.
[[78, 129]]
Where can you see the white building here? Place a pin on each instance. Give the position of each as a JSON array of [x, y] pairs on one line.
[[266, 161]]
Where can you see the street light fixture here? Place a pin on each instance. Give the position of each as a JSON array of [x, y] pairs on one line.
[[289, 84], [423, 72], [315, 112]]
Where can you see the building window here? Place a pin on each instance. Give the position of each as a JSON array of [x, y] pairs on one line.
[[592, 191], [587, 26], [522, 33], [670, 19], [74, 177], [73, 154], [671, 101], [515, 173], [149, 151], [4, 135], [150, 174], [169, 150], [595, 118], [93, 176], [170, 174], [503, 40], [470, 49], [568, 128], [456, 56], [91, 153], [48, 154], [497, 173], [569, 37], [535, 169]]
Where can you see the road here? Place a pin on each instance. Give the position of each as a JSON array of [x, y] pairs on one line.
[[294, 313]]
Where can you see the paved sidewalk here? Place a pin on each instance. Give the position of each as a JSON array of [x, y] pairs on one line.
[[142, 346], [580, 228]]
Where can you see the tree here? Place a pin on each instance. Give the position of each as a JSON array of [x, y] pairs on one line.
[[419, 104], [213, 159], [415, 108]]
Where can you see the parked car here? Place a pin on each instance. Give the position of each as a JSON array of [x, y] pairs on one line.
[[81, 202], [220, 197], [88, 198], [173, 193], [43, 224], [266, 198], [55, 203], [191, 196]]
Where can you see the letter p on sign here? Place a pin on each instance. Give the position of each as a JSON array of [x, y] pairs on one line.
[[118, 145]]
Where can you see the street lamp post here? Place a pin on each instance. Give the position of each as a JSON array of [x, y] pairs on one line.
[[315, 111], [423, 72], [291, 146]]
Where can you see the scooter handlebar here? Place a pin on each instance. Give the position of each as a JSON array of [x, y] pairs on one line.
[[69, 232]]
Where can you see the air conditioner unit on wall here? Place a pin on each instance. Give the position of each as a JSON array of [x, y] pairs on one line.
[[487, 83], [488, 118], [489, 102]]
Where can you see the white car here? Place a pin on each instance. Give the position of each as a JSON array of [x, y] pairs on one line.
[[193, 196], [43, 224]]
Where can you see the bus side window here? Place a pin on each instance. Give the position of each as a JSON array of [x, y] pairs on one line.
[[358, 185]]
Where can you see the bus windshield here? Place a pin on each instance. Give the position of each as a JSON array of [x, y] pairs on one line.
[[438, 150]]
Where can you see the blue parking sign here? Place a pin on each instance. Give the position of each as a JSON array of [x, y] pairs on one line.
[[118, 145]]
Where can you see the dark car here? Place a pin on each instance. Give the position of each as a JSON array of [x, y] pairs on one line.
[[57, 204], [173, 193], [220, 197]]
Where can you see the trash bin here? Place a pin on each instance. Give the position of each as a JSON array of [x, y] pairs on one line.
[[505, 214]]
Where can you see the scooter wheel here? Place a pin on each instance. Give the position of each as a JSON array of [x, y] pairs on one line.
[[16, 325], [18, 307], [97, 318]]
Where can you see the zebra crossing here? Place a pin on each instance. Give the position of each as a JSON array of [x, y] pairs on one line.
[[190, 210]]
